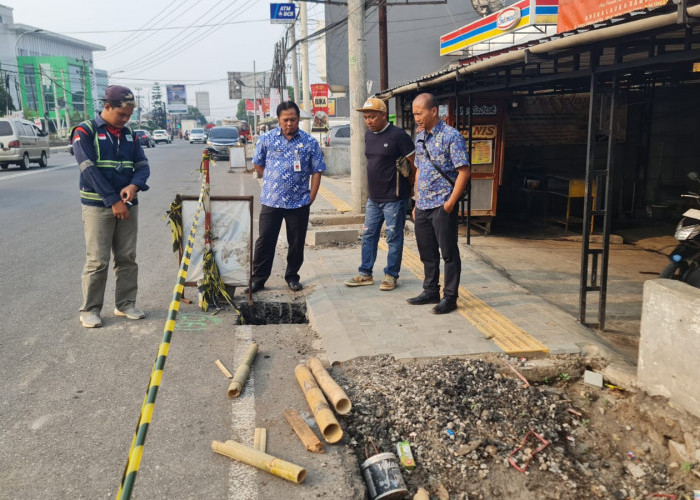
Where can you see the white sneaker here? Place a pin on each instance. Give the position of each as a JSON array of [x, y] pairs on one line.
[[90, 319], [130, 312]]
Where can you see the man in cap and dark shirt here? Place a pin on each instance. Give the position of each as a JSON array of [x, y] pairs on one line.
[[389, 192], [113, 169]]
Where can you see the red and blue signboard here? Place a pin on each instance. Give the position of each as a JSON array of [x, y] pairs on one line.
[[512, 18]]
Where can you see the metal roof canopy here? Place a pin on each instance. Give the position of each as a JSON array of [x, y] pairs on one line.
[[626, 54]]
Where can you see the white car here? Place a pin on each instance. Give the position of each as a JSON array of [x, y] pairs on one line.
[[161, 136], [198, 135]]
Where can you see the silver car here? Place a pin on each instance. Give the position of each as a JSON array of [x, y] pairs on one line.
[[338, 135], [21, 143]]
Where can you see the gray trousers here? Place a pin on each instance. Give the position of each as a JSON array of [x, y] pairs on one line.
[[106, 235]]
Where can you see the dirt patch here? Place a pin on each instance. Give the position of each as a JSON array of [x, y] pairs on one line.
[[464, 418]]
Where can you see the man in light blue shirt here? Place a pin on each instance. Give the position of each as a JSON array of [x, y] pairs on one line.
[[443, 171], [287, 158]]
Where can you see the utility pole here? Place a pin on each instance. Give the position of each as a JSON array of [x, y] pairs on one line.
[[358, 92], [383, 53], [295, 66], [138, 102], [65, 99], [305, 64], [255, 101]]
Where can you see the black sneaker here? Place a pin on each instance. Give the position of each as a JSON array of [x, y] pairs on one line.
[[295, 286]]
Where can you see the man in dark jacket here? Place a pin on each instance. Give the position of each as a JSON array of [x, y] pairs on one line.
[[113, 169]]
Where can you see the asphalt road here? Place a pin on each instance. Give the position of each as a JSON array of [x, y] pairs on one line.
[[70, 397]]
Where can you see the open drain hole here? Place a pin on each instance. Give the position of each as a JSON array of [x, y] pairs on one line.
[[274, 313]]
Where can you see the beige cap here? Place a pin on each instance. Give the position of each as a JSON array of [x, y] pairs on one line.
[[373, 104]]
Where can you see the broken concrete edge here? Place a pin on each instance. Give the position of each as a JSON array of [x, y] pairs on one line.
[[316, 237], [336, 219]]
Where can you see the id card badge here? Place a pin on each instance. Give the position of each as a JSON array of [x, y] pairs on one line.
[[297, 162]]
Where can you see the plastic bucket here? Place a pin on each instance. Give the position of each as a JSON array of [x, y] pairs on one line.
[[383, 477]]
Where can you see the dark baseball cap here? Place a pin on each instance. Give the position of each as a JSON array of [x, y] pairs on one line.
[[119, 93]]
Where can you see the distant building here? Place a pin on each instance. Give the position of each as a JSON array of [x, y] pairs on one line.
[[48, 76]]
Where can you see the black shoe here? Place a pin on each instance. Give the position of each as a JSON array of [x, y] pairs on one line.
[[445, 306], [256, 287], [295, 286], [426, 297]]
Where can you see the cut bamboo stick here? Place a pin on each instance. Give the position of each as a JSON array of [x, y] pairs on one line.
[[236, 386], [223, 369], [307, 436], [262, 461], [260, 439], [330, 428], [335, 394]]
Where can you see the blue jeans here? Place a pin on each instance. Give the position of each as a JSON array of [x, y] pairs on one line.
[[394, 213]]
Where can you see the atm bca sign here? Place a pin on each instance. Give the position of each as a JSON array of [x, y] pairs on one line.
[[508, 18], [282, 13]]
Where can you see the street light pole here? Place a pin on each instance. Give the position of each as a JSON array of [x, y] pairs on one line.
[[19, 93]]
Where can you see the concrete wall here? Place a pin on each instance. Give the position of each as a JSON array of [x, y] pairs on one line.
[[337, 160], [669, 346]]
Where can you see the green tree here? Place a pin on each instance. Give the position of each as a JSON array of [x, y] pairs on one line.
[[193, 113], [159, 119], [242, 114]]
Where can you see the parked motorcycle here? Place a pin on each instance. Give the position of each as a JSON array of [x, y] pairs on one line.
[[685, 258]]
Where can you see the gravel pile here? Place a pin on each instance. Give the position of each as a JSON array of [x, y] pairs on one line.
[[464, 417]]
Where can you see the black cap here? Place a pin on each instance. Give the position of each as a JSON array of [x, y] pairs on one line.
[[119, 93]]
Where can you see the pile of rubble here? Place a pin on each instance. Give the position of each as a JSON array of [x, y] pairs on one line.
[[468, 423]]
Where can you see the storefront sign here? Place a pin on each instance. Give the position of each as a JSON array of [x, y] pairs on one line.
[[282, 13], [515, 17], [576, 13], [508, 18]]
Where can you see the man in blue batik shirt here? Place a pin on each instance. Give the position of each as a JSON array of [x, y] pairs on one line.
[[287, 158], [441, 154]]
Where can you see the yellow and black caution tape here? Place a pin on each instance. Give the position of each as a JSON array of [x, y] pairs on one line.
[[139, 439], [174, 216]]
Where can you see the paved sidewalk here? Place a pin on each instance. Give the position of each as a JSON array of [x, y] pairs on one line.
[[494, 314]]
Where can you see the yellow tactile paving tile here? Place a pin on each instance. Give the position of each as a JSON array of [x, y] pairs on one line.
[[496, 327], [331, 198]]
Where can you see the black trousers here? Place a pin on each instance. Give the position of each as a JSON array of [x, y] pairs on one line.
[[269, 223], [436, 232]]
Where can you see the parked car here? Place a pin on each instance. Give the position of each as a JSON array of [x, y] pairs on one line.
[[145, 138], [338, 135], [21, 143], [221, 138], [161, 136], [197, 135]]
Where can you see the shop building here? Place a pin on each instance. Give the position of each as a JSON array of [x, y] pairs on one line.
[[593, 126]]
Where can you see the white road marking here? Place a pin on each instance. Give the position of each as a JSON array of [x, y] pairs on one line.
[[32, 172], [242, 483]]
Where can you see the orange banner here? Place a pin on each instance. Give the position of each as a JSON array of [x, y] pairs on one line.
[[576, 13]]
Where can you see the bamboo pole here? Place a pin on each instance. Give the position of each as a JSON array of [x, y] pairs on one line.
[[335, 394], [260, 439], [236, 386], [330, 428], [262, 461], [304, 432], [223, 369]]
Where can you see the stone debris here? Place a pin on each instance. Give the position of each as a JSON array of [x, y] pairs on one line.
[[463, 417]]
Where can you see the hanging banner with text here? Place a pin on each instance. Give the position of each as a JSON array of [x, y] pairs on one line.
[[319, 94], [576, 13]]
